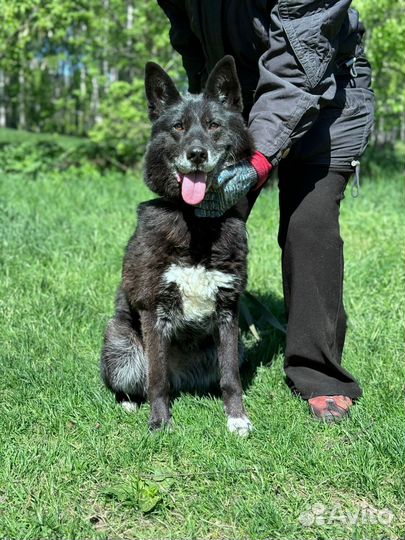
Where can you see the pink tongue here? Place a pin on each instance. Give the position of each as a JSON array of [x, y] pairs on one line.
[[193, 187]]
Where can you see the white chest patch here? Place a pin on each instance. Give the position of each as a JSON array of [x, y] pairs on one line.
[[198, 287]]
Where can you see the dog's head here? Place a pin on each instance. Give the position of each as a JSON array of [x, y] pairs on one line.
[[193, 137]]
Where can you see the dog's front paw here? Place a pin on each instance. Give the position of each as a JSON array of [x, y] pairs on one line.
[[160, 414], [241, 425], [160, 422]]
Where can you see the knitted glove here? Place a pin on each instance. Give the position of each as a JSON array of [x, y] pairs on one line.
[[232, 184]]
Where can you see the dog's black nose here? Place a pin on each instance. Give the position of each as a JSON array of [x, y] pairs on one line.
[[197, 154]]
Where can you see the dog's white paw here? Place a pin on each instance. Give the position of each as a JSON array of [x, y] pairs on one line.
[[129, 406], [242, 426]]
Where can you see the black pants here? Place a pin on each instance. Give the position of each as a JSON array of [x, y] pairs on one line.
[[312, 269]]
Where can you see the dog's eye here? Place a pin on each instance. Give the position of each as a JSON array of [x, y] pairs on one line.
[[178, 126], [212, 126]]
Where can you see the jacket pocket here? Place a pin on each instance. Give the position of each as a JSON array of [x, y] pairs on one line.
[[351, 131], [341, 131]]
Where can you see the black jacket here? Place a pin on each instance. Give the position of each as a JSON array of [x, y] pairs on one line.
[[295, 63]]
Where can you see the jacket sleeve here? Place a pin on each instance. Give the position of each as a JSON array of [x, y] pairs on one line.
[[185, 42], [296, 73]]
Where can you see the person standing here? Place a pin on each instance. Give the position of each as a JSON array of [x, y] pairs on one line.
[[307, 96]]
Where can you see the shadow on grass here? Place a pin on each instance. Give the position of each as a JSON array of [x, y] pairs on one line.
[[257, 353], [272, 341]]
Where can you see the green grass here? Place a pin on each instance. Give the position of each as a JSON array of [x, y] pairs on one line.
[[18, 136], [74, 465]]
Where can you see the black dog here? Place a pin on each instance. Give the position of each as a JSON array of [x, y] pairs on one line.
[[176, 321]]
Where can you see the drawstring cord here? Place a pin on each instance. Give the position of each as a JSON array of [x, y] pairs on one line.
[[355, 162], [356, 182]]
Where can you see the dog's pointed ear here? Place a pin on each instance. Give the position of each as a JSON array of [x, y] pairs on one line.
[[160, 90], [223, 84]]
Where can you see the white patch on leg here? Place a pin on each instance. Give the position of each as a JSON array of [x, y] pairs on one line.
[[129, 406], [242, 426]]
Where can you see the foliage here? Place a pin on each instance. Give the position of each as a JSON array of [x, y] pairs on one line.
[[385, 46], [124, 129], [70, 66], [138, 493], [66, 65], [34, 154], [383, 161], [32, 158], [17, 136], [29, 158]]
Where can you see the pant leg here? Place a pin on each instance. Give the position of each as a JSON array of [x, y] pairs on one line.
[[312, 268]]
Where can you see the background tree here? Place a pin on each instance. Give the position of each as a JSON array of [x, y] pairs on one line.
[[76, 67], [385, 46]]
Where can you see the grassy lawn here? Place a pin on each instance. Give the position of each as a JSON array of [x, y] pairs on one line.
[[74, 465], [17, 136]]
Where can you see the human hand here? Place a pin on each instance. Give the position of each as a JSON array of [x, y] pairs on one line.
[[232, 184]]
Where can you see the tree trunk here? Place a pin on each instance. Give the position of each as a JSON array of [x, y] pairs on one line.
[[81, 120], [95, 100], [2, 99], [130, 24], [105, 63], [22, 120]]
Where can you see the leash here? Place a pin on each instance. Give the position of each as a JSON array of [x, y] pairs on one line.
[[266, 315]]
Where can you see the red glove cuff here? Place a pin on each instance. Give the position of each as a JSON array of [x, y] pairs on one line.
[[263, 168]]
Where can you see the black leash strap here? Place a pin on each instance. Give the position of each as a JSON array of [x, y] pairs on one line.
[[265, 313]]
